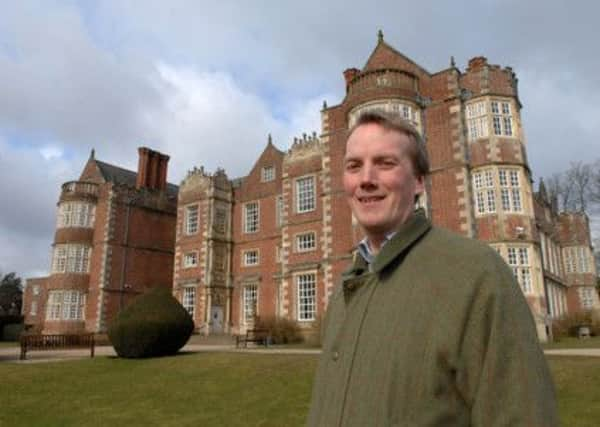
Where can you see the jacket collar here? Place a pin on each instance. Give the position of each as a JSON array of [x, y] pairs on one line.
[[407, 234]]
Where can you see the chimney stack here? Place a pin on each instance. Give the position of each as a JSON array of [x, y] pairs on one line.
[[349, 74], [477, 63], [152, 169]]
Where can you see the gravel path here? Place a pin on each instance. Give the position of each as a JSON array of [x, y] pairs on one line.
[[11, 354]]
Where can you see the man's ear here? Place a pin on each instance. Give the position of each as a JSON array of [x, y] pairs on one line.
[[419, 185]]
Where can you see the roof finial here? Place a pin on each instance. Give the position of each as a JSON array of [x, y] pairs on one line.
[[380, 36], [324, 104], [93, 154], [452, 63], [269, 139]]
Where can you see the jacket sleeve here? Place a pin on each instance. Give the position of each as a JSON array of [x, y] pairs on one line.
[[503, 374]]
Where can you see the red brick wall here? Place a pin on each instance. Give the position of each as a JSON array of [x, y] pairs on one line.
[[574, 229], [36, 320]]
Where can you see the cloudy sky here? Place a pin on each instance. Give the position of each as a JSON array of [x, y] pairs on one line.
[[206, 82]]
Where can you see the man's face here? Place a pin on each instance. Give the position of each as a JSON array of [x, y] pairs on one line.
[[379, 179]]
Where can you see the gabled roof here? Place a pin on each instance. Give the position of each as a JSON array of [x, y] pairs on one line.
[[119, 175], [116, 174], [385, 56], [269, 149]]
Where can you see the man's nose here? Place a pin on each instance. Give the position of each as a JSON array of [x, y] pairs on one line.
[[368, 175]]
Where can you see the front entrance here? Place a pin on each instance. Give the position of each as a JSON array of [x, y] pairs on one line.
[[216, 319]]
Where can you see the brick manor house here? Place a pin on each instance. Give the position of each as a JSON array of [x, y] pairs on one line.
[[275, 242]]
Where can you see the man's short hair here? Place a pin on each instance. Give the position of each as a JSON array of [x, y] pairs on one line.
[[393, 122]]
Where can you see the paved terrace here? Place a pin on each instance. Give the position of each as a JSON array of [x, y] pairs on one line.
[[11, 354]]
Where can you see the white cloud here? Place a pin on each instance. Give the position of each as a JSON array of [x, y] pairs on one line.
[[50, 152], [206, 82], [570, 124], [29, 192], [208, 119]]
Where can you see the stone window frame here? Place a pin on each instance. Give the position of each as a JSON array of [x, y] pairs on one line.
[[586, 297], [35, 290], [73, 305], [484, 191], [490, 116], [577, 259], [76, 214], [267, 173], [305, 196], [33, 308], [498, 188], [306, 295], [219, 256], [252, 255], [249, 304], [188, 299], [53, 305], [191, 223], [407, 110], [220, 219], [71, 258], [190, 259], [502, 121], [251, 220], [518, 257], [509, 181], [305, 246], [65, 305]]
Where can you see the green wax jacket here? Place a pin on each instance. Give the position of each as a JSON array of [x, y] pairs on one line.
[[437, 334]]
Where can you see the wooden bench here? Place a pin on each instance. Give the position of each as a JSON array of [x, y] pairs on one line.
[[30, 342], [258, 336]]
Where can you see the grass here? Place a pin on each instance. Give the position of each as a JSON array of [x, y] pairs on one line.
[[190, 389], [9, 344], [572, 342], [577, 381], [212, 389]]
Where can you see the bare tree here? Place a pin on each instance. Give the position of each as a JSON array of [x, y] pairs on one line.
[[579, 175], [576, 188], [595, 183], [557, 187]]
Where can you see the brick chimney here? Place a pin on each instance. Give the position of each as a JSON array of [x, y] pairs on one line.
[[349, 74], [477, 63], [152, 169]]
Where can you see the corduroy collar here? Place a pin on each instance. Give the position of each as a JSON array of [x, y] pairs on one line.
[[405, 236]]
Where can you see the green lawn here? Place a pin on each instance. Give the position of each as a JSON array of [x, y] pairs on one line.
[[211, 389], [217, 389], [8, 344], [577, 381]]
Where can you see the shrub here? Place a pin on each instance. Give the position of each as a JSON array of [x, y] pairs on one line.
[[567, 325], [155, 324], [315, 334], [9, 320], [12, 332], [283, 331]]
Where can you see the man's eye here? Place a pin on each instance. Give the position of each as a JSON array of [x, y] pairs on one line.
[[387, 164], [352, 166]]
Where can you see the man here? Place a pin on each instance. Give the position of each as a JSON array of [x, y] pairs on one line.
[[427, 328]]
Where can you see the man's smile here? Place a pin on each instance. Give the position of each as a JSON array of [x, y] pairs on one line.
[[370, 199]]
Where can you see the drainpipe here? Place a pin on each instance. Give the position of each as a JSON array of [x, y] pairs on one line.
[[548, 317], [128, 202]]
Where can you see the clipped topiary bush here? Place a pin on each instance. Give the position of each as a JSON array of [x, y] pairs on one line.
[[155, 324], [12, 332]]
